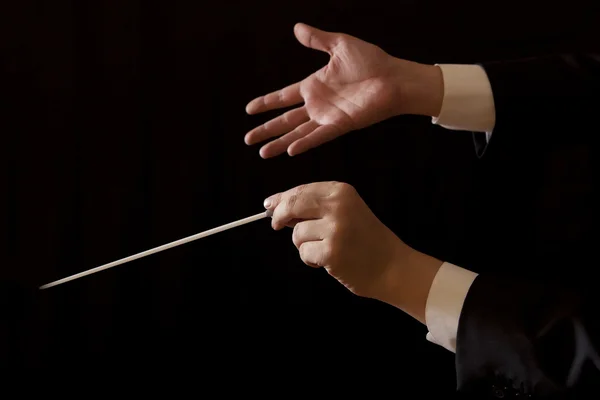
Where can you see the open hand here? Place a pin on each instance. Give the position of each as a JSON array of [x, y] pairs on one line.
[[361, 85]]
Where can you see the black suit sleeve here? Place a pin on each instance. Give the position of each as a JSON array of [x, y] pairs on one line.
[[522, 335], [519, 338], [552, 98]]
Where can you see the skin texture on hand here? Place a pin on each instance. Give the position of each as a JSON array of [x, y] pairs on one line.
[[360, 86], [333, 228]]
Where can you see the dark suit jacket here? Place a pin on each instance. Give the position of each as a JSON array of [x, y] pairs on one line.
[[530, 323]]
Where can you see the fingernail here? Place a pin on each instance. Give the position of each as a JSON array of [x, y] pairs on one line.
[[267, 203]]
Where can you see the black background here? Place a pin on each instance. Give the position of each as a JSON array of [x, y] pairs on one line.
[[122, 129]]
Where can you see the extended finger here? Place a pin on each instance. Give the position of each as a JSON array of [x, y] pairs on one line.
[[296, 206], [322, 189], [277, 126], [285, 97], [280, 145], [319, 136]]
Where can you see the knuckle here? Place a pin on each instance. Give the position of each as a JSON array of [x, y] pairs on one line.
[[342, 40], [291, 201], [340, 188], [344, 194], [300, 189], [346, 188]]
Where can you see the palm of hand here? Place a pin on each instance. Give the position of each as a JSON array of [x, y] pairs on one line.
[[349, 93]]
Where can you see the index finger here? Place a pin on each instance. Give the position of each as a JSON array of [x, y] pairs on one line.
[[285, 97], [300, 203]]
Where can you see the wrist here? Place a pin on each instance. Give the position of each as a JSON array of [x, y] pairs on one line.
[[408, 281], [419, 88]]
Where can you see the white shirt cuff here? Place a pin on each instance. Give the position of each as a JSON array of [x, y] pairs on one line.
[[444, 304], [468, 103]]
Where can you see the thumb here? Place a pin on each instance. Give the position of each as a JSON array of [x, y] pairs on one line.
[[315, 38]]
